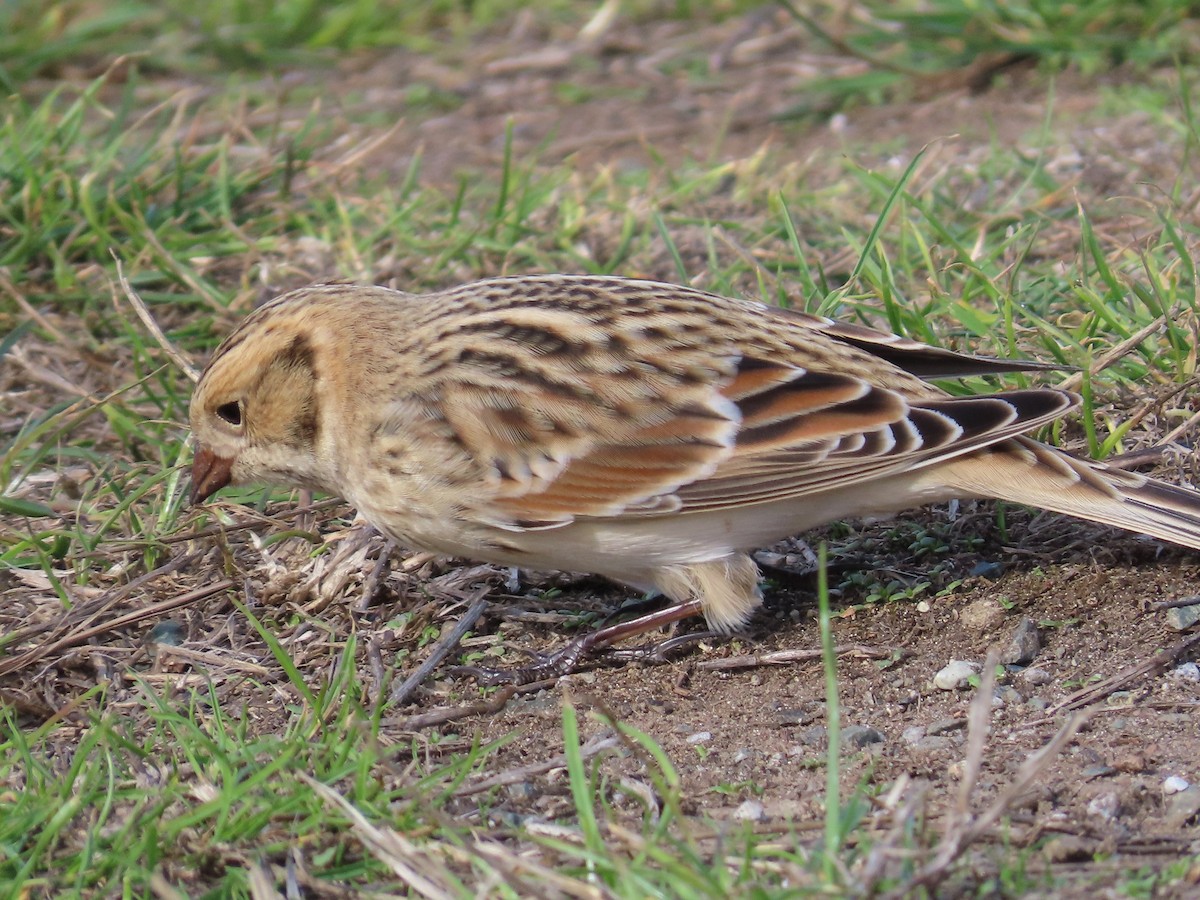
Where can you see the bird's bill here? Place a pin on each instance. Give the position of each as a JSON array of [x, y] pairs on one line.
[[210, 473]]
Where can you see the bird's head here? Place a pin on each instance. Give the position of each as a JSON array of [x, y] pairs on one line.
[[256, 412]]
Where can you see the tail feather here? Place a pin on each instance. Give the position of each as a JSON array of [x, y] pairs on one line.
[[1022, 470]]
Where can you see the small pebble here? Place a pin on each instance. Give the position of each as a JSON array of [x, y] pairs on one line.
[[986, 568], [981, 616], [813, 736], [750, 811], [1182, 807], [1098, 771], [955, 675], [934, 743], [1175, 785], [1132, 762], [794, 716], [1069, 848], [167, 632], [1006, 695], [913, 734], [1182, 618], [523, 790], [1024, 644], [508, 818], [1105, 806], [1035, 677], [699, 737], [1189, 671], [860, 736]]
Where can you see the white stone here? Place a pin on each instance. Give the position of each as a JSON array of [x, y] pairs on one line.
[[1173, 784], [955, 675], [750, 811]]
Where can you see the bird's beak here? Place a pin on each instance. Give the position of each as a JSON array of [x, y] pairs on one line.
[[210, 473]]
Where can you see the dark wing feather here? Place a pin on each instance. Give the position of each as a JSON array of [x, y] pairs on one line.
[[817, 431], [916, 358]]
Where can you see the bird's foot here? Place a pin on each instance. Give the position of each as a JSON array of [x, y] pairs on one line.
[[563, 661], [567, 659]]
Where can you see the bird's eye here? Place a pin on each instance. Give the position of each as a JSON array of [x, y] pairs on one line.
[[231, 412]]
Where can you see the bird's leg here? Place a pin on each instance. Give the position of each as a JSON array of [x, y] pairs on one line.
[[565, 660]]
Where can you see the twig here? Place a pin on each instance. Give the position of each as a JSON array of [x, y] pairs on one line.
[[978, 716], [1127, 346], [211, 659], [538, 879], [784, 657], [123, 545], [1123, 709], [371, 584], [143, 313], [845, 46], [46, 324], [1136, 459], [1180, 429], [649, 134], [1181, 603], [1030, 769], [401, 694], [596, 745], [76, 638], [887, 846], [163, 889], [1095, 692], [352, 159], [390, 847], [88, 612], [453, 713]]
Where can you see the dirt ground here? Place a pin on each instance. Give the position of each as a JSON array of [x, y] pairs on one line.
[[749, 742], [755, 735]]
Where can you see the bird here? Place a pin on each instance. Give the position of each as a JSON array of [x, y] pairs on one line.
[[650, 433]]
